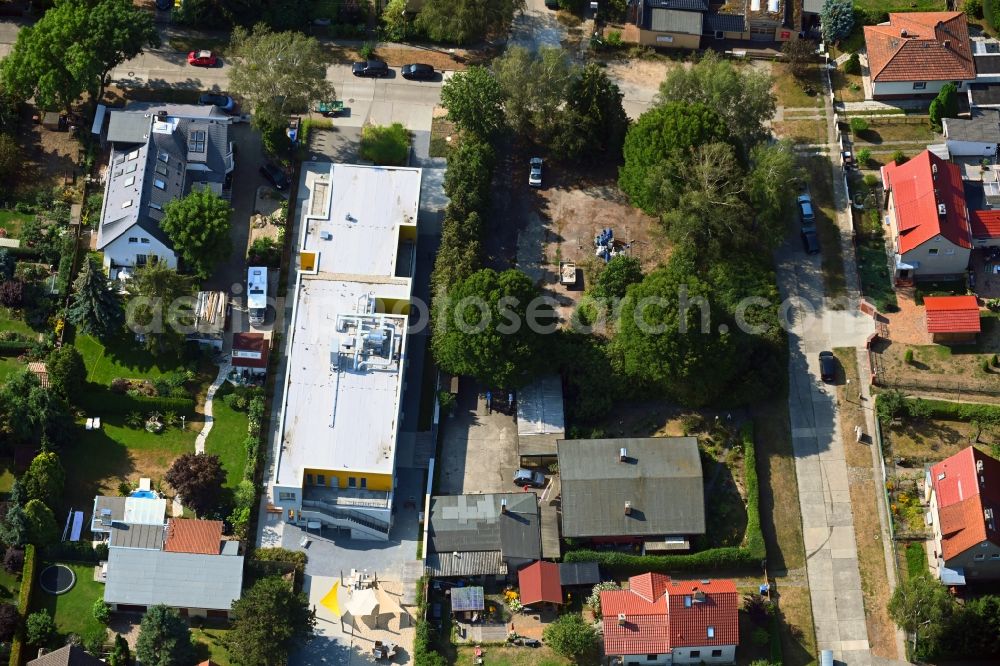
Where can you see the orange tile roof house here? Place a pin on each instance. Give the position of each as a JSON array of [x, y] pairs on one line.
[[928, 219], [916, 53], [663, 621], [952, 319], [963, 492]]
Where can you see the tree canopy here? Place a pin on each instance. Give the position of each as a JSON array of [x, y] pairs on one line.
[[45, 479], [571, 636], [922, 607], [14, 526], [464, 21], [67, 372], [836, 19], [156, 304], [480, 328], [30, 414], [474, 100], [39, 628], [620, 272], [164, 639], [96, 308], [198, 226], [42, 529], [269, 621], [198, 478], [593, 123], [534, 85], [73, 48], [466, 190]]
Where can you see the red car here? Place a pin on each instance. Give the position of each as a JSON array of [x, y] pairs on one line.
[[202, 59]]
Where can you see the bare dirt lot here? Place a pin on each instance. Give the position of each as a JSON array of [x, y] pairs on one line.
[[51, 156]]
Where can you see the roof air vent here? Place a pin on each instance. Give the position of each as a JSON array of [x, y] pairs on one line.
[[621, 619], [628, 508], [934, 169], [503, 505], [903, 33], [698, 596], [979, 465], [622, 454], [947, 43], [942, 210]]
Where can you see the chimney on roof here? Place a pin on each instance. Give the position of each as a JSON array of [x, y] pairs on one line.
[[698, 596], [947, 43], [903, 33], [161, 116], [628, 508], [503, 505], [622, 454], [621, 619]]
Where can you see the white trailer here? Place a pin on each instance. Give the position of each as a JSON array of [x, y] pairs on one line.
[[257, 294]]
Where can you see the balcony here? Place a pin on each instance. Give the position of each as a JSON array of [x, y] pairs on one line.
[[348, 498]]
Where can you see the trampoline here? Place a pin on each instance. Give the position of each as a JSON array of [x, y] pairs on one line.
[[57, 579]]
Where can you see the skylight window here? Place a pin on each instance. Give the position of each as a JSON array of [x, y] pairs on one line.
[[155, 206], [196, 141], [127, 204], [711, 632], [163, 157], [161, 169], [159, 184], [131, 168], [133, 155], [130, 181]]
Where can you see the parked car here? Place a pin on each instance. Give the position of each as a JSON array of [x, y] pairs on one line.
[[376, 68], [806, 215], [526, 478], [418, 72], [827, 366], [810, 241], [223, 102], [273, 173], [202, 59], [535, 174]]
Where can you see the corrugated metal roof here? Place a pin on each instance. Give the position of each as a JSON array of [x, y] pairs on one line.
[[180, 580], [540, 408], [670, 20], [140, 537], [481, 563]]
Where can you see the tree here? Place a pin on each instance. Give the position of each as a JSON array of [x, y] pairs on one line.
[[464, 21], [39, 628], [593, 123], [13, 560], [480, 328], [991, 13], [32, 415], [458, 255], [164, 638], [14, 526], [534, 86], [11, 159], [772, 168], [101, 611], [474, 100], [96, 308], [45, 479], [921, 606], [743, 97], [591, 383], [385, 145], [9, 620], [278, 73], [945, 105], [853, 65], [570, 636], [7, 264], [42, 529], [799, 53], [890, 405], [120, 655], [11, 293], [198, 227], [67, 372], [269, 621], [198, 479], [159, 300], [836, 20], [468, 191], [616, 277], [396, 21], [73, 48], [661, 133]]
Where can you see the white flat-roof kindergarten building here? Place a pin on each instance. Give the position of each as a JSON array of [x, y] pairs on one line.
[[347, 350]]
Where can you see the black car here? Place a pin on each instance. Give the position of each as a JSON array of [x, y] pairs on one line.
[[418, 72], [224, 102], [827, 366], [274, 175], [370, 68], [810, 241]]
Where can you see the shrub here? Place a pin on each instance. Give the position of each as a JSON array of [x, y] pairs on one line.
[[594, 600], [101, 611], [899, 157], [986, 366], [760, 636], [990, 12], [385, 145], [39, 628], [14, 347], [570, 636], [24, 601], [367, 50], [864, 157], [264, 252], [908, 357], [124, 404], [859, 125], [613, 38], [853, 64], [13, 560], [11, 293], [871, 181]]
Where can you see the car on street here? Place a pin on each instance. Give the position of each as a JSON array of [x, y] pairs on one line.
[[535, 172], [418, 72], [370, 68], [223, 102], [810, 241], [806, 215], [527, 478], [274, 175], [202, 59], [827, 366]]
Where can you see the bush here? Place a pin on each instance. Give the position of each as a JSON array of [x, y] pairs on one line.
[[594, 600], [367, 50], [39, 628], [613, 38], [11, 293], [899, 157], [14, 347], [990, 13], [264, 252], [859, 125], [123, 404], [385, 145], [864, 157], [13, 560], [760, 636], [101, 611], [24, 602], [853, 65], [570, 636], [908, 357], [871, 181]]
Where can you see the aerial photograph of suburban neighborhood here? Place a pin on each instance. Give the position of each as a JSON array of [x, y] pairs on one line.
[[499, 332]]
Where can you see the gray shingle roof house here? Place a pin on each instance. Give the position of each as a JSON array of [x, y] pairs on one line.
[[483, 535], [159, 153], [69, 655], [644, 489]]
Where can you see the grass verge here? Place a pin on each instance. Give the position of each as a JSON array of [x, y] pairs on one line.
[[794, 92]]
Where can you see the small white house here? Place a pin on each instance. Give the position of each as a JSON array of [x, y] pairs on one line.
[[976, 136]]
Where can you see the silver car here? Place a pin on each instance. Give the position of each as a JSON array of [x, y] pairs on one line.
[[535, 174]]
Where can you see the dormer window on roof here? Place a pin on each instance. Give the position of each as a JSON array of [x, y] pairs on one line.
[[127, 204], [130, 181], [161, 169], [164, 157], [159, 184], [133, 155]]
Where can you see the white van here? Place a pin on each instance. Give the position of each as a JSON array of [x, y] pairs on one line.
[[257, 294]]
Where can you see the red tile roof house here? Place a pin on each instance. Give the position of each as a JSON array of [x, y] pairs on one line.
[[963, 492], [928, 219], [952, 319], [663, 621], [916, 53]]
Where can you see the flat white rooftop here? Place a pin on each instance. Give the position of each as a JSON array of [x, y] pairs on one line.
[[344, 376]]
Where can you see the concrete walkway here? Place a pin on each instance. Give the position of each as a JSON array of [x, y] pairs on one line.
[[199, 442]]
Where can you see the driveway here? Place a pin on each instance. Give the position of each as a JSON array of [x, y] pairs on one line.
[[537, 26]]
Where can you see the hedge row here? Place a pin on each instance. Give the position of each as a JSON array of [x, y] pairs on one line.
[[14, 347], [956, 411], [24, 602], [24, 253], [748, 556], [97, 401], [77, 551]]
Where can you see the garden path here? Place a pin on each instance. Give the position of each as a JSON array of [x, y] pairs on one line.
[[199, 442]]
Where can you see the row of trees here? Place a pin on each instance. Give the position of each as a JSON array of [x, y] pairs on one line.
[[450, 21]]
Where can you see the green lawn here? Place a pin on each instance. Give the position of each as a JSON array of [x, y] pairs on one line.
[[11, 221], [122, 358], [916, 559], [876, 279], [226, 439], [902, 5], [10, 320], [9, 365], [208, 645], [794, 92], [72, 611], [6, 475], [10, 584]]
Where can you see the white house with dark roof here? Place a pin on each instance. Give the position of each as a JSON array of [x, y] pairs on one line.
[[159, 153]]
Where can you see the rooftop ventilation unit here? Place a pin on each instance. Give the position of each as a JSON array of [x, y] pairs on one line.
[[622, 454], [503, 505], [934, 169], [621, 619], [979, 465], [326, 235], [628, 508]]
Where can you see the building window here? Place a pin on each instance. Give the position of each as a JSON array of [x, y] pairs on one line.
[[144, 240], [364, 482], [716, 653], [980, 557], [995, 556], [130, 181], [127, 204], [140, 260], [163, 157], [711, 632], [133, 239], [286, 496], [687, 601], [932, 251], [695, 653], [352, 482], [155, 206], [309, 479], [919, 85], [650, 657], [161, 169], [321, 479], [159, 184], [134, 154]]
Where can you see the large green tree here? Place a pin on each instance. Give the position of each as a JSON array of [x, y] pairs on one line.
[[42, 529], [45, 479], [467, 189], [772, 170], [534, 86], [73, 48], [159, 301], [14, 526], [593, 123], [836, 19], [269, 621], [198, 479], [30, 414], [571, 636], [922, 607], [464, 21], [198, 226], [474, 100], [618, 274], [67, 372], [458, 256], [659, 135], [164, 639], [742, 97], [481, 328], [277, 73], [96, 308]]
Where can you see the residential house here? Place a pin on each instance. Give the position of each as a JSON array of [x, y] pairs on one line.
[[134, 510], [482, 535], [985, 227], [186, 565], [251, 352], [690, 24], [69, 655], [915, 53], [963, 492], [663, 621], [928, 219], [668, 23], [976, 136], [159, 153], [639, 490], [952, 319]]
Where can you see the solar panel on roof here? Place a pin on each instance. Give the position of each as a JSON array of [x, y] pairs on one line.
[[467, 599]]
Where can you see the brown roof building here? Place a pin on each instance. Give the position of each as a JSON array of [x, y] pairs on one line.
[[193, 536]]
